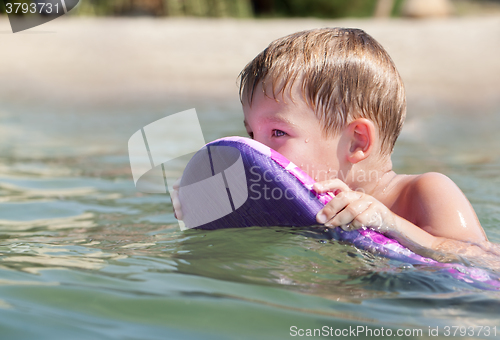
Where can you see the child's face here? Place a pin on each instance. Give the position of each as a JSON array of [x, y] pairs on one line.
[[292, 129]]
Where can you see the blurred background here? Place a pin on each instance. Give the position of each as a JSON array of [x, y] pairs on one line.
[[287, 8], [153, 57], [148, 50], [84, 255]]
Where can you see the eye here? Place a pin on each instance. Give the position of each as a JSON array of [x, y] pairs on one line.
[[278, 133]]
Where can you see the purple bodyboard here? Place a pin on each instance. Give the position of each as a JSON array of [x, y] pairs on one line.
[[266, 189]]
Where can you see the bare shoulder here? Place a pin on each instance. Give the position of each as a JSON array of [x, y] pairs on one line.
[[433, 186], [414, 190], [441, 208], [434, 191]]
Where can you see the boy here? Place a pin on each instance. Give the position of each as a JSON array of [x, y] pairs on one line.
[[332, 101]]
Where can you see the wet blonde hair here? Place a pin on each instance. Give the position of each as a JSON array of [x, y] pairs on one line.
[[344, 75]]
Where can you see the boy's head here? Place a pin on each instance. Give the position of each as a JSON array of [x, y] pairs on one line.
[[341, 74]]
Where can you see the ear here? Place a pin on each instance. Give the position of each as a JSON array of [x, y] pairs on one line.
[[361, 134]]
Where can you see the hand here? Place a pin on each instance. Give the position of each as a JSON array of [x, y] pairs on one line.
[[352, 210], [174, 196]]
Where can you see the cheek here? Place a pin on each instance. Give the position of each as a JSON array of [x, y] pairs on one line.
[[295, 152], [312, 161], [319, 164], [316, 158]]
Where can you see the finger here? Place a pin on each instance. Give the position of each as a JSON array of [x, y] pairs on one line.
[[354, 225], [176, 203], [359, 221], [177, 184], [337, 203], [334, 185], [373, 218], [349, 214]]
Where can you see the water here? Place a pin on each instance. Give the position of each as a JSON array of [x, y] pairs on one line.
[[84, 256]]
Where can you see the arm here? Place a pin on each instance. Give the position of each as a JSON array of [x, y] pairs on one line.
[[437, 230]]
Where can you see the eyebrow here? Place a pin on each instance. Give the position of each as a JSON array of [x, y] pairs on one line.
[[273, 119], [278, 119]]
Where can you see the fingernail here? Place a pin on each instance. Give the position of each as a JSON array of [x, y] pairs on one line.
[[346, 227], [322, 218]]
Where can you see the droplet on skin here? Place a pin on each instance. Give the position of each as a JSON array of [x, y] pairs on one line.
[[462, 220]]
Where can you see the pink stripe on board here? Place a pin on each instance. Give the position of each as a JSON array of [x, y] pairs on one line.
[[280, 159]]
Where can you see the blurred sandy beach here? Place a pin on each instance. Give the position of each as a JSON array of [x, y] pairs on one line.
[[111, 61]]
